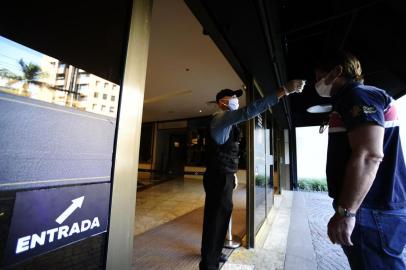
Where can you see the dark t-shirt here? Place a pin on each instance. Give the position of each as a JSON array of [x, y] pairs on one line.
[[354, 105]]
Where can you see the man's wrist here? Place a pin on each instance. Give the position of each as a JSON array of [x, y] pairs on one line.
[[344, 212], [285, 90]]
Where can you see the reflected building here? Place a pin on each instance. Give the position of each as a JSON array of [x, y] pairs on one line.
[[74, 87], [63, 84]]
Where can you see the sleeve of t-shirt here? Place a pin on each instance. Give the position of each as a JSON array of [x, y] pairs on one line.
[[361, 107]]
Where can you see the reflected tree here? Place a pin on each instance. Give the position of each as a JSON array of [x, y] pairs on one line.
[[31, 75]]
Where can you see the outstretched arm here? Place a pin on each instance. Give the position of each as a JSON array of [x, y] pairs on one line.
[[223, 121], [229, 118]]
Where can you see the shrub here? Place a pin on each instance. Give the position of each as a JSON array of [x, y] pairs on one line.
[[312, 184], [260, 180]]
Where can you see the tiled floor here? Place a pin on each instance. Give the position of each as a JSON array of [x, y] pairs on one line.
[[319, 211], [164, 202], [168, 224], [270, 248], [294, 237]]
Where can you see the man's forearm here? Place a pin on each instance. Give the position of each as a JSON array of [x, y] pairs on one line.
[[359, 177]]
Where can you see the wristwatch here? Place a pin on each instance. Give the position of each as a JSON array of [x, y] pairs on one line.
[[344, 212]]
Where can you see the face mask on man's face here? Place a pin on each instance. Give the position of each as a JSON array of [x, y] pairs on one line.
[[233, 104], [323, 89]]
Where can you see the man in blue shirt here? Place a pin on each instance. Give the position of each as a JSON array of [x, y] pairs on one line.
[[222, 163], [366, 171]]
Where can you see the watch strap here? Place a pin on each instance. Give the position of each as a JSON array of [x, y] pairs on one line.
[[344, 212]]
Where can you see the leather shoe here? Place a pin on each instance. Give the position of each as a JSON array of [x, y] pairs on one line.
[[223, 258]]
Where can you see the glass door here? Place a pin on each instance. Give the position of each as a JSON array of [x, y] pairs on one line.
[[259, 169], [269, 163]]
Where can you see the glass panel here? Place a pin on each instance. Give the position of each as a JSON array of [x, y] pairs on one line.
[[146, 145], [56, 132], [196, 141], [259, 170], [242, 165], [269, 162]]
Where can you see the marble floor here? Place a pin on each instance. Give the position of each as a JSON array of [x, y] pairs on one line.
[[162, 203], [168, 224]]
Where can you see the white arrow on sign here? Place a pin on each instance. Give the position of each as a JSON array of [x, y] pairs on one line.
[[76, 203]]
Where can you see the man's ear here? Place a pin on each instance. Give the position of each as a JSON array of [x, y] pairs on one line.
[[335, 73], [221, 104]]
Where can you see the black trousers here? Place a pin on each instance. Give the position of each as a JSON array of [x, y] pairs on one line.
[[217, 212]]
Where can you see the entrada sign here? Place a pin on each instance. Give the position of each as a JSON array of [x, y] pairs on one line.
[[46, 219]]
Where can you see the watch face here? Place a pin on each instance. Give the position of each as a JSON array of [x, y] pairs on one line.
[[344, 212]]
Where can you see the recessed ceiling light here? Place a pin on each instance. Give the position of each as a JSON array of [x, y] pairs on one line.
[[200, 111]]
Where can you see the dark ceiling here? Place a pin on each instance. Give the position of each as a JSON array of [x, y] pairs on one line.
[[372, 30], [248, 35], [269, 41], [279, 40]]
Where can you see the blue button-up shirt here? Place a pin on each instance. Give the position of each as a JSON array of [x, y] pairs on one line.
[[223, 121]]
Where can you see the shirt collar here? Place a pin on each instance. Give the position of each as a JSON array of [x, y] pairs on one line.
[[345, 87]]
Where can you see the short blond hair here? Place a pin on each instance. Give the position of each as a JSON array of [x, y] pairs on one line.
[[351, 65]]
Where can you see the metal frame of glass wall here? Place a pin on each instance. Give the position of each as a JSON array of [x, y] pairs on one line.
[[260, 168]]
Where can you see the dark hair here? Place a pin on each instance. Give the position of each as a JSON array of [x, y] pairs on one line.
[[350, 64], [228, 92]]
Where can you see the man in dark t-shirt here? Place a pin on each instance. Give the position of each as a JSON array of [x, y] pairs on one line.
[[366, 171]]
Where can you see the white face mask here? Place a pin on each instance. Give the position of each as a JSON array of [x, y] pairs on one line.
[[323, 89], [233, 104]]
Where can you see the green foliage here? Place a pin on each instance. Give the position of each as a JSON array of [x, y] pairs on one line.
[[260, 180], [313, 184], [32, 73]]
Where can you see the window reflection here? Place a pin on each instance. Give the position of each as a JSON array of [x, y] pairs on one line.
[[56, 137], [27, 73], [59, 125]]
